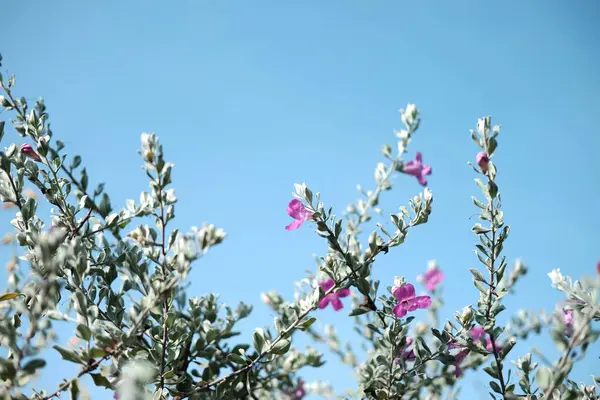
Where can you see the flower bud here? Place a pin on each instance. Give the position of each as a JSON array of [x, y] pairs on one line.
[[30, 152], [482, 160]]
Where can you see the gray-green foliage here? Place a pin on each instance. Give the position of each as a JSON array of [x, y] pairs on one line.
[[117, 273]]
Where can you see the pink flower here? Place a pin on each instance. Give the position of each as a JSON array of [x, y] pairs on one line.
[[482, 160], [433, 278], [478, 333], [407, 301], [459, 359], [297, 211], [417, 169], [406, 355], [333, 297], [300, 391], [30, 152], [568, 318]]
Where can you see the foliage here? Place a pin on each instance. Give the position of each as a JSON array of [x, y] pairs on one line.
[[117, 275]]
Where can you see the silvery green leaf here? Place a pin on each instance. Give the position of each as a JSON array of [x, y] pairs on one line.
[[68, 354], [492, 189], [236, 359], [281, 347], [477, 275], [307, 323], [543, 377], [100, 380], [74, 389], [259, 340], [33, 365], [479, 229], [495, 387], [358, 311]]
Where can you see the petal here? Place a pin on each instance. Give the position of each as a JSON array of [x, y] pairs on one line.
[[477, 333], [409, 355], [295, 209], [412, 168], [422, 301], [399, 311], [422, 180], [294, 225], [336, 303], [411, 305], [308, 214], [458, 371], [343, 292], [404, 293], [426, 170], [328, 284], [324, 302], [430, 274], [419, 157]]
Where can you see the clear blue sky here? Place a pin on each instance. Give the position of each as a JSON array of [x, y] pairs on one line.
[[250, 97]]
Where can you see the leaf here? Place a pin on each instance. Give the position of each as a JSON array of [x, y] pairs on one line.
[[68, 354], [74, 389], [479, 229], [281, 347], [100, 380], [10, 296], [477, 275], [259, 340], [236, 358], [543, 377], [492, 189], [495, 387], [34, 364], [303, 326], [357, 312]]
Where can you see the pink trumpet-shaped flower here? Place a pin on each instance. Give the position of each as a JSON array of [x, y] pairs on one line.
[[299, 212], [405, 354], [407, 301], [477, 333], [300, 391], [433, 278], [333, 297], [459, 359], [30, 152], [483, 161], [417, 169]]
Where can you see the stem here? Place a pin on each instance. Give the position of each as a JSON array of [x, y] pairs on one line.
[[286, 332], [566, 355], [165, 335], [490, 299], [18, 196], [391, 371], [89, 368]]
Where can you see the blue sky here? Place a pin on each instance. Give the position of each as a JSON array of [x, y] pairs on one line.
[[250, 97]]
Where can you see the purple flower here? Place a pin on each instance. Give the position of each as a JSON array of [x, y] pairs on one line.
[[300, 391], [407, 301], [568, 318], [297, 211], [433, 278], [30, 152], [478, 333], [333, 297], [459, 359], [417, 169], [404, 354], [482, 160]]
